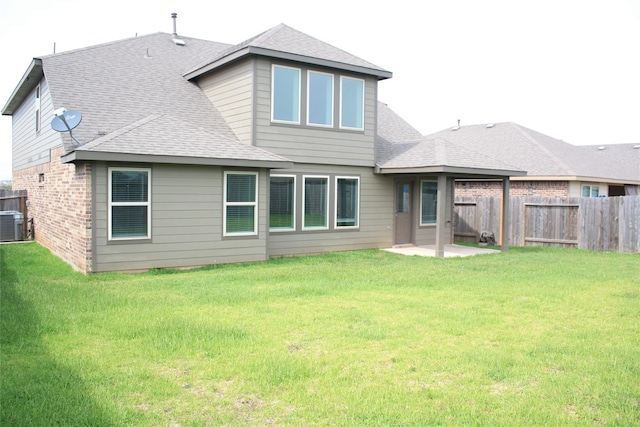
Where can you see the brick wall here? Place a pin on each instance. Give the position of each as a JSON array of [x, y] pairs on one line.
[[516, 188], [59, 197]]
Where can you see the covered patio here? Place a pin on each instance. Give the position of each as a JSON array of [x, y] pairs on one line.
[[438, 161]]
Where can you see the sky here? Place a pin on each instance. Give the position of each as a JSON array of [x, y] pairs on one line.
[[567, 68]]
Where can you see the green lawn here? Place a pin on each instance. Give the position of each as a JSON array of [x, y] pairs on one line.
[[368, 338]]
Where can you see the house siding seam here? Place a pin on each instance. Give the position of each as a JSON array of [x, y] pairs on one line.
[[61, 208], [517, 188]]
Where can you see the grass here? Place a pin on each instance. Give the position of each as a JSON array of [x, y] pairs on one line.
[[529, 337]]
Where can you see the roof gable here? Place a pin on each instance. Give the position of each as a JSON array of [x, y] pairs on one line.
[[284, 42]]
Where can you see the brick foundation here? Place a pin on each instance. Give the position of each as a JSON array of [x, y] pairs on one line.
[[59, 197], [516, 188]]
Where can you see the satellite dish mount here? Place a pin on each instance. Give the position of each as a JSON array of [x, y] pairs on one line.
[[65, 121]]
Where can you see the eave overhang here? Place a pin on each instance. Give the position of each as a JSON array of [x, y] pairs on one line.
[[260, 51], [451, 170], [80, 155], [29, 80], [578, 178]]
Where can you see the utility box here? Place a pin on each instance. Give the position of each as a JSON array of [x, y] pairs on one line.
[[11, 223]]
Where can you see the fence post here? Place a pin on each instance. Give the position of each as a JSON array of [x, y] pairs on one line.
[[505, 215]]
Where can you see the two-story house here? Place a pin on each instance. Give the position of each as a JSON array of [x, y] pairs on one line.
[[192, 152]]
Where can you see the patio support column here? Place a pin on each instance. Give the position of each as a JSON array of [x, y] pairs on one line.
[[441, 215], [506, 215]]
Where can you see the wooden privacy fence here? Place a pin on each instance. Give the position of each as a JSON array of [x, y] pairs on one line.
[[600, 224]]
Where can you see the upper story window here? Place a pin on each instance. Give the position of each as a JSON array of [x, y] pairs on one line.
[[313, 99], [351, 103], [320, 99], [285, 94], [37, 108]]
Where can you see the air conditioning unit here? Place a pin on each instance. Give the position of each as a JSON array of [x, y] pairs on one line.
[[11, 226]]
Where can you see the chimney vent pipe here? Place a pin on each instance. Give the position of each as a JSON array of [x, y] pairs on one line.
[[174, 16]]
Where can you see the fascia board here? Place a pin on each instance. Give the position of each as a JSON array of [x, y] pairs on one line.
[[28, 81], [81, 155], [252, 50]]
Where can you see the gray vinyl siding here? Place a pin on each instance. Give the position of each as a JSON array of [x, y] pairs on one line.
[[376, 215], [186, 223], [231, 92], [309, 144], [31, 148]]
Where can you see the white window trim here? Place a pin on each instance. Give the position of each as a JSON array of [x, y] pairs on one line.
[[111, 203], [591, 188], [364, 86], [348, 227], [326, 207], [273, 77], [280, 230], [38, 107], [254, 204], [427, 224], [309, 99]]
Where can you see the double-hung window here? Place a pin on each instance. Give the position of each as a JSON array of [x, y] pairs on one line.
[[240, 203], [351, 103], [282, 203], [316, 202], [428, 202], [319, 99], [347, 202], [285, 94], [129, 214]]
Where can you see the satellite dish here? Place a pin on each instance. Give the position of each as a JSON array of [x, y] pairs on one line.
[[65, 121]]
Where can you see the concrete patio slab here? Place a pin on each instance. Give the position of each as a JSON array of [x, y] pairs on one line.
[[449, 250]]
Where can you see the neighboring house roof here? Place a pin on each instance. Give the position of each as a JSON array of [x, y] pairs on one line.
[[402, 149], [542, 156], [286, 43], [623, 157]]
